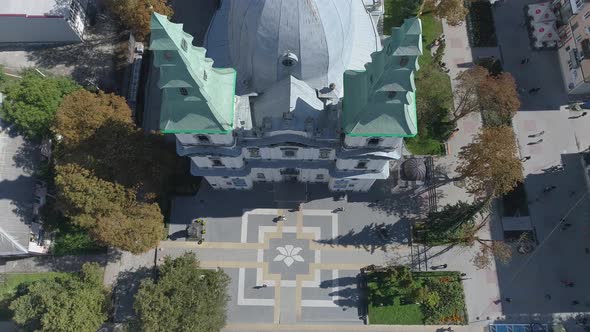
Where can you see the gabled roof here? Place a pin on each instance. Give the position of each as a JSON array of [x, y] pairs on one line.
[[196, 97], [380, 101]]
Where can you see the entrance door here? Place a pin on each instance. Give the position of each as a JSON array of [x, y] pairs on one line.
[[290, 174]]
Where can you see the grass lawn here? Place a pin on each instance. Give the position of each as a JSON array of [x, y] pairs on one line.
[[434, 97], [391, 299], [433, 87], [10, 282], [396, 314]]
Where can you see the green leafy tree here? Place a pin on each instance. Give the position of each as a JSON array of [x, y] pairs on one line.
[[108, 210], [137, 229], [424, 296], [454, 11], [144, 162], [136, 14], [82, 113], [445, 225], [3, 77], [84, 198], [31, 103], [183, 298], [447, 306], [76, 303]]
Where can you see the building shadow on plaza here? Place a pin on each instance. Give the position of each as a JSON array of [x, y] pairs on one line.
[[535, 282], [543, 69]]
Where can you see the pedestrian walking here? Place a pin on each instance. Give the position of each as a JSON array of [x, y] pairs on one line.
[[508, 299], [524, 60], [578, 116], [537, 134], [444, 266], [536, 142], [264, 285], [565, 227], [463, 274], [523, 159]]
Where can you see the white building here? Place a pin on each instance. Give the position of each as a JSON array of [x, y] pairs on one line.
[[42, 21], [297, 91]]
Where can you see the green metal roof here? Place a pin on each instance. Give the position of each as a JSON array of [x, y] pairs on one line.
[[380, 101], [196, 98]]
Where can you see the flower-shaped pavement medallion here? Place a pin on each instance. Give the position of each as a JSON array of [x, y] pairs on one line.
[[289, 255]]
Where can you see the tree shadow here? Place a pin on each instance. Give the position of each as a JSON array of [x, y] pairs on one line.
[[387, 196], [178, 235], [26, 157], [124, 290], [348, 297], [47, 263], [92, 61], [19, 194], [373, 236], [349, 293], [344, 281]]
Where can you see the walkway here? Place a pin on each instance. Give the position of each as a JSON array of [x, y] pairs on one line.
[[481, 287]]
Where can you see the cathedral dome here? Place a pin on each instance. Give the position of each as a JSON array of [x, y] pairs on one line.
[[315, 41]]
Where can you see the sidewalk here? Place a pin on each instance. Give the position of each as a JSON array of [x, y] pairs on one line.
[[344, 328], [481, 287]]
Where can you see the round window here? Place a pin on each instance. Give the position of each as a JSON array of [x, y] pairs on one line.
[[289, 59]]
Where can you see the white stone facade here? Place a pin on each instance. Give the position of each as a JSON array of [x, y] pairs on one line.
[[229, 162]]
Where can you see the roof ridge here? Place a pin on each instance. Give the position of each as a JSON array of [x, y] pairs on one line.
[[179, 41]]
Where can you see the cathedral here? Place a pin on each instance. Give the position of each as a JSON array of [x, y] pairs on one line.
[[303, 91]]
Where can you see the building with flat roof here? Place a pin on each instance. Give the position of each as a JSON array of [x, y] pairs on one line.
[[42, 21], [573, 24], [286, 91]]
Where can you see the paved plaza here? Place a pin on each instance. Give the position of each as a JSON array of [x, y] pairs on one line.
[[302, 270], [534, 282]]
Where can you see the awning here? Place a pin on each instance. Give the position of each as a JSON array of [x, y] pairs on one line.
[[545, 32], [541, 12]]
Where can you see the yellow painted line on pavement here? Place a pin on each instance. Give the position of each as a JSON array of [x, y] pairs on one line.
[[231, 264], [298, 299], [346, 266], [210, 245], [277, 307]]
